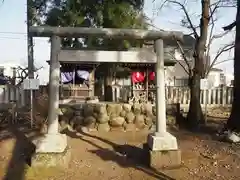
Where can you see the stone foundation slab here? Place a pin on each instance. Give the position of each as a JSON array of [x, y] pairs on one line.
[[162, 142], [51, 159], [164, 159], [51, 143]]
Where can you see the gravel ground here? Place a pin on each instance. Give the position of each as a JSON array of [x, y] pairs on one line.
[[118, 155]]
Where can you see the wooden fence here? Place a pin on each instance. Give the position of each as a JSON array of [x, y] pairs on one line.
[[9, 93], [212, 97]]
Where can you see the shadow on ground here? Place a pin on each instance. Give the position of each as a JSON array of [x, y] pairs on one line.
[[126, 156], [22, 151], [210, 130]]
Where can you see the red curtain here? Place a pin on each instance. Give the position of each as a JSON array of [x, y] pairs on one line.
[[152, 76], [138, 77]]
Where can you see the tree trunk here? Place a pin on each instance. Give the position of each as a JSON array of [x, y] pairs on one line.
[[195, 115], [234, 120]]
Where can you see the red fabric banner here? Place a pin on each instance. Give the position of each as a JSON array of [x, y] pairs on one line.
[[152, 76], [138, 77]]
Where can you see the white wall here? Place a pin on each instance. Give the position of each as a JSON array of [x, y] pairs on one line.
[[169, 80], [8, 71], [229, 78], [138, 56], [214, 78], [178, 55], [8, 68], [42, 73]]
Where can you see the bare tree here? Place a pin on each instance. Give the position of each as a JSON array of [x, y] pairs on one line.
[[204, 36], [233, 123], [21, 74]]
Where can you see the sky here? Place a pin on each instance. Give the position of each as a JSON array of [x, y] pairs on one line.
[[13, 32]]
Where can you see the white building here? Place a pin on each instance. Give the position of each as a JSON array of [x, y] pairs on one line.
[[229, 79], [7, 68], [43, 73], [215, 77]]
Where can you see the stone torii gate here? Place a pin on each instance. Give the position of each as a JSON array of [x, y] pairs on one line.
[[161, 140]]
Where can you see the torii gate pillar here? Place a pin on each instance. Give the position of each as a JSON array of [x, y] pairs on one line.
[[53, 141], [163, 147]]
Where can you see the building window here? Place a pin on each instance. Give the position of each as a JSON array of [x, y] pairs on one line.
[[222, 79], [181, 82]]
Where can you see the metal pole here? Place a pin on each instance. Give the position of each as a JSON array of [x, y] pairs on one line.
[[30, 43], [73, 86], [31, 106], [147, 81], [206, 106], [14, 84], [30, 57], [14, 100], [160, 89], [54, 78]]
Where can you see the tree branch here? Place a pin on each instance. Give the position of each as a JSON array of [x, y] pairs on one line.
[[184, 68], [22, 73], [211, 39], [212, 11], [213, 8], [211, 34], [226, 48], [186, 14], [220, 62], [184, 57], [230, 26]]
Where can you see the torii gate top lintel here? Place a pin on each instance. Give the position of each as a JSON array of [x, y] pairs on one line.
[[48, 31]]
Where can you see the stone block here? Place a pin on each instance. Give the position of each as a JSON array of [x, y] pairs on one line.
[[137, 108], [61, 160], [102, 118], [114, 109], [90, 122], [51, 143], [117, 129], [117, 121], [162, 142], [130, 117], [164, 159], [146, 108], [103, 127], [100, 108], [130, 127], [140, 121], [88, 110], [127, 107]]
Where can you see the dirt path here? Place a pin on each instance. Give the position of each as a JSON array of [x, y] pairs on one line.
[[119, 155]]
